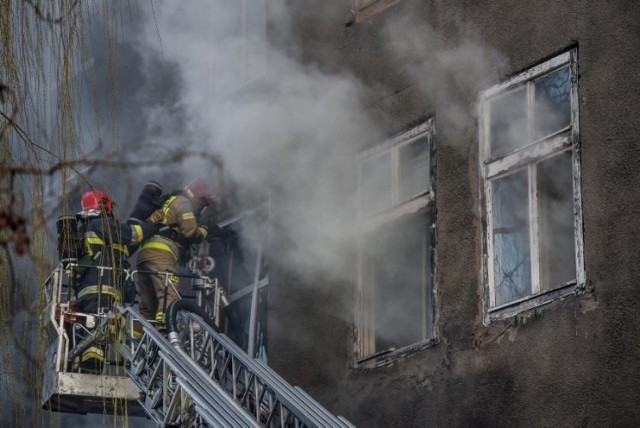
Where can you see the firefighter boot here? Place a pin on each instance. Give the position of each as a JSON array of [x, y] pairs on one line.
[[160, 321]]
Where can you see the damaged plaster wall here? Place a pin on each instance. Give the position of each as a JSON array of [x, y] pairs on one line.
[[573, 362], [328, 92]]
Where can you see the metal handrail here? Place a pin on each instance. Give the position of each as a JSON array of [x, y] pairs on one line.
[[197, 377], [254, 385], [174, 387]]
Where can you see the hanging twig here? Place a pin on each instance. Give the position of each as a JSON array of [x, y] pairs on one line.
[[48, 17], [11, 119]]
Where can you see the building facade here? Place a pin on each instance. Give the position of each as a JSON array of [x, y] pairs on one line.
[[493, 278]]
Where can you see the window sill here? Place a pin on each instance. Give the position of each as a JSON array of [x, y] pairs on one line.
[[246, 87], [390, 356], [362, 13], [514, 308]]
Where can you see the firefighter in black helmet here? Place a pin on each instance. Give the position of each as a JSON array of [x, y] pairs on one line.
[[177, 227]]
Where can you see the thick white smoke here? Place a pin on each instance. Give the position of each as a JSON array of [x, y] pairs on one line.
[[278, 125]]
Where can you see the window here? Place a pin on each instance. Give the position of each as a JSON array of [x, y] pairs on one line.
[[240, 34], [395, 284], [363, 9], [530, 175]]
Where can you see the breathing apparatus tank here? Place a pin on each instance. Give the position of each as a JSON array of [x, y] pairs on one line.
[[150, 199], [70, 245]]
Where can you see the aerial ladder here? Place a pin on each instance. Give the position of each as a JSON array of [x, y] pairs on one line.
[[191, 375]]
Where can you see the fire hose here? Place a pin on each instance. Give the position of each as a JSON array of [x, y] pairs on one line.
[[172, 318]]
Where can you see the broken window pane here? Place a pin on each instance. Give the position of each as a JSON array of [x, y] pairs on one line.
[[557, 235], [508, 122], [375, 184], [552, 108], [397, 270], [511, 254], [414, 168]]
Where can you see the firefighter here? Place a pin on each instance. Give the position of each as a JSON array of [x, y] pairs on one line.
[[101, 270], [176, 229]]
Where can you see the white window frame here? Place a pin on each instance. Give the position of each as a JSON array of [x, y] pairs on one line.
[[364, 346], [564, 140]]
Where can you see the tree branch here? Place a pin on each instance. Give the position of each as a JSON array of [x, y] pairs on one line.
[[11, 120], [48, 17]]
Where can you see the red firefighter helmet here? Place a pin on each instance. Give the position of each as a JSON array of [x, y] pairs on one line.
[[200, 192], [97, 200]]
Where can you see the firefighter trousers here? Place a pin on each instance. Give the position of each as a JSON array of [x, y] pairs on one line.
[[157, 290]]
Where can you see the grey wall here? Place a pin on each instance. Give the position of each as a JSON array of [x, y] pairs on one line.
[[577, 363]]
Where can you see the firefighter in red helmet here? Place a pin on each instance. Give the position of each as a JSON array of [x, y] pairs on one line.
[[106, 243], [200, 192], [101, 270], [177, 227]]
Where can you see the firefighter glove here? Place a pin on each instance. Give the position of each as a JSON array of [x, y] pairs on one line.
[[156, 217]]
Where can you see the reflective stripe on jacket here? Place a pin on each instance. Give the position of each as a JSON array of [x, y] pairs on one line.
[[178, 214], [106, 291], [94, 244], [106, 242], [161, 243]]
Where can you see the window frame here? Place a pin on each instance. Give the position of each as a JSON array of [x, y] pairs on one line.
[[419, 203], [566, 139]]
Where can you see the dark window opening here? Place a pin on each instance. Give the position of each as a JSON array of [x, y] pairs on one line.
[[414, 168], [398, 272]]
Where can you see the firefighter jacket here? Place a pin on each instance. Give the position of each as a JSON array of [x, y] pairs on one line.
[[176, 230], [107, 245]]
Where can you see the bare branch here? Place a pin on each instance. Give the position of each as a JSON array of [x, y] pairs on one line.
[[48, 17], [11, 120], [171, 158]]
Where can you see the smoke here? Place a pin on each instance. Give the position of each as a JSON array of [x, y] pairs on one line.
[[202, 75], [290, 130], [278, 125], [449, 65]]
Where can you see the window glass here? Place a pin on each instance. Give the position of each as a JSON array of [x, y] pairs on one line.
[[226, 26], [395, 306], [256, 37], [533, 228], [396, 272], [225, 18], [557, 235], [552, 110], [375, 179], [414, 168], [511, 254], [239, 28], [508, 122]]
